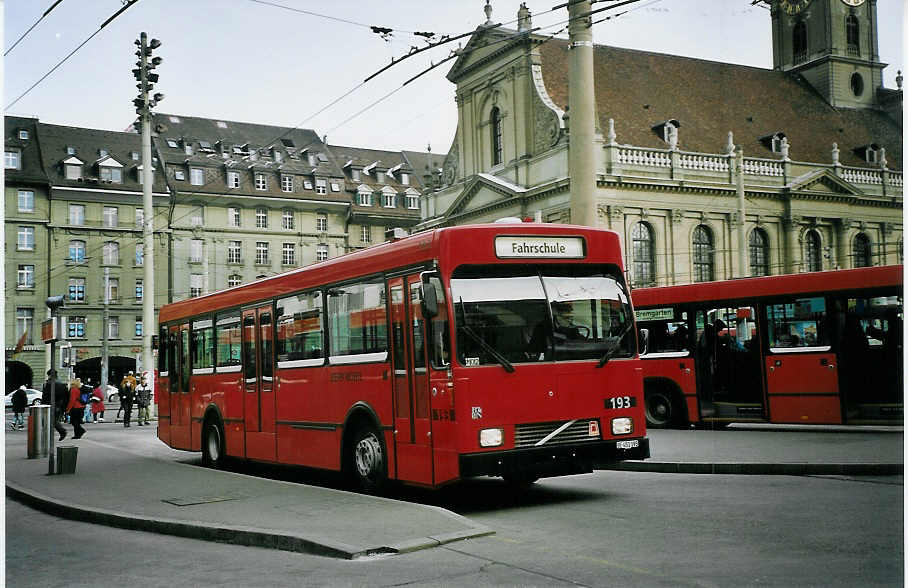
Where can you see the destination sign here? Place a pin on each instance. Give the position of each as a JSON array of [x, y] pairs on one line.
[[655, 314], [539, 247]]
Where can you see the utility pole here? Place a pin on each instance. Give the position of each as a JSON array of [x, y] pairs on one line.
[[582, 109], [105, 350], [143, 103]]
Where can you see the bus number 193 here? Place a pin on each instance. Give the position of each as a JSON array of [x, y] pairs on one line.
[[620, 402]]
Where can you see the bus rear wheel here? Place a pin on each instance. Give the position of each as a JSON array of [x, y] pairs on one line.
[[661, 412], [368, 461], [212, 445]]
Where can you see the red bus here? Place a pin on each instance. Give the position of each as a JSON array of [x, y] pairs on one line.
[[502, 349], [821, 347]]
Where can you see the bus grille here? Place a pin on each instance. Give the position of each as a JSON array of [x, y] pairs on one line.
[[529, 434]]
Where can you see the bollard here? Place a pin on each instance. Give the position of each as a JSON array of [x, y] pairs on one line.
[[38, 427], [66, 459]]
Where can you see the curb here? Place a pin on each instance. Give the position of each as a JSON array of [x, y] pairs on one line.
[[249, 536], [764, 469]]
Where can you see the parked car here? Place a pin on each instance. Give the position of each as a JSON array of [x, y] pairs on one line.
[[34, 397]]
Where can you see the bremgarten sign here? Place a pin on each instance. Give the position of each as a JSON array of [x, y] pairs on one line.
[[539, 247]]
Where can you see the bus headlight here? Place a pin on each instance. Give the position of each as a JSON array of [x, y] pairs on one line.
[[491, 437], [622, 426]]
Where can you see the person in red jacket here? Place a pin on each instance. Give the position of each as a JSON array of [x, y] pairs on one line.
[[76, 408]]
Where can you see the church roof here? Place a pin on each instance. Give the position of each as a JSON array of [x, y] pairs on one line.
[[640, 89]]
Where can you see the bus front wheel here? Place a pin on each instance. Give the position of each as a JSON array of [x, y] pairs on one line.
[[368, 460], [212, 445], [661, 412]]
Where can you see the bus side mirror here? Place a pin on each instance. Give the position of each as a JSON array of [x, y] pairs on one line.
[[643, 338], [429, 299]]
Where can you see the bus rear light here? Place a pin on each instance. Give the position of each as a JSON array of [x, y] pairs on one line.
[[491, 437], [622, 426]]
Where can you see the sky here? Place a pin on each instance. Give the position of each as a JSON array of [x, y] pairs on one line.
[[275, 62]]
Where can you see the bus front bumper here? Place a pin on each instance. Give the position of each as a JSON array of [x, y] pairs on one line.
[[553, 460]]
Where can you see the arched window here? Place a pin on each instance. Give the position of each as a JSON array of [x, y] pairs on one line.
[[758, 243], [703, 255], [644, 262], [852, 35], [860, 251], [812, 251], [495, 123], [799, 42]]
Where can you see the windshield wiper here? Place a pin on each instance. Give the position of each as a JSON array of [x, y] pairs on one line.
[[508, 367], [613, 350]]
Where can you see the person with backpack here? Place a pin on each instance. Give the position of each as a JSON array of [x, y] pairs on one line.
[[76, 407]]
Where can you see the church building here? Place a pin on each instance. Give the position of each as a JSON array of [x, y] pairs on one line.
[[821, 140]]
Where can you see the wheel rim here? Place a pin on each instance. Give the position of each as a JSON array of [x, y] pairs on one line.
[[658, 409], [367, 456], [214, 444]]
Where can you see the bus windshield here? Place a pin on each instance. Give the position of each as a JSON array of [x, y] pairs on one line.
[[519, 314]]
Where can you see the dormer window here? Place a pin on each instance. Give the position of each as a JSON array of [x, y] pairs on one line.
[[172, 143], [278, 156], [773, 142], [870, 153], [312, 159], [70, 150], [103, 153], [175, 119], [380, 176], [238, 149], [668, 131], [389, 198], [205, 146], [364, 196], [187, 147], [72, 168], [111, 174], [405, 179], [23, 134], [134, 155], [354, 175]]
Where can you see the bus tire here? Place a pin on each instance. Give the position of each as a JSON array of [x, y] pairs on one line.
[[213, 444], [368, 462], [662, 412]]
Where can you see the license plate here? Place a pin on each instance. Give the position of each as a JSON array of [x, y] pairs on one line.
[[631, 444], [618, 402]]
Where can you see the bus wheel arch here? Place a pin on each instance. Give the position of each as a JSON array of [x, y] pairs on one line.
[[664, 404], [213, 440], [364, 454]]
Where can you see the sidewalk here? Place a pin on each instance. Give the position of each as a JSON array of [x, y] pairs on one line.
[[129, 480], [764, 449], [126, 489]]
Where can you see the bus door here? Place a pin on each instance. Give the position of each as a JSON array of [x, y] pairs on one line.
[[801, 368], [258, 383], [412, 426], [180, 398], [729, 364]]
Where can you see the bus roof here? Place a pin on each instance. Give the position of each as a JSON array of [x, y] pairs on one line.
[[449, 246], [762, 287]]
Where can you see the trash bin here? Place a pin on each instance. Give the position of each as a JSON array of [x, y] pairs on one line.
[[38, 430], [66, 459]]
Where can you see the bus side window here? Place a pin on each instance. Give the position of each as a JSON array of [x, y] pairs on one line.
[[798, 323], [440, 348], [665, 336]]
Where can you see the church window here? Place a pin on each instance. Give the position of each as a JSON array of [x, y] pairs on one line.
[[860, 251], [812, 251], [852, 35], [704, 255], [758, 244], [799, 42], [644, 262], [857, 84], [495, 123]]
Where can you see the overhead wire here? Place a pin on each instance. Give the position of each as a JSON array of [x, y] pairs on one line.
[[167, 213], [25, 34]]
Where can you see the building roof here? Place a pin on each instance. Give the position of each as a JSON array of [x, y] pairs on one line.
[[641, 89], [31, 169], [87, 145]]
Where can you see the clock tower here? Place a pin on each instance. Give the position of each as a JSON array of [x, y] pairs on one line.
[[833, 45]]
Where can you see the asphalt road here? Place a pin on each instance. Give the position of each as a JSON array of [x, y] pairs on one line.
[[601, 529]]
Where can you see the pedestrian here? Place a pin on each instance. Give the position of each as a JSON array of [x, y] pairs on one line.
[[127, 379], [127, 397], [143, 396], [87, 390], [76, 408], [20, 400], [61, 397], [97, 404]]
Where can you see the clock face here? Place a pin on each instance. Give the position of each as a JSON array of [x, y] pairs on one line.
[[796, 6], [853, 2]]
